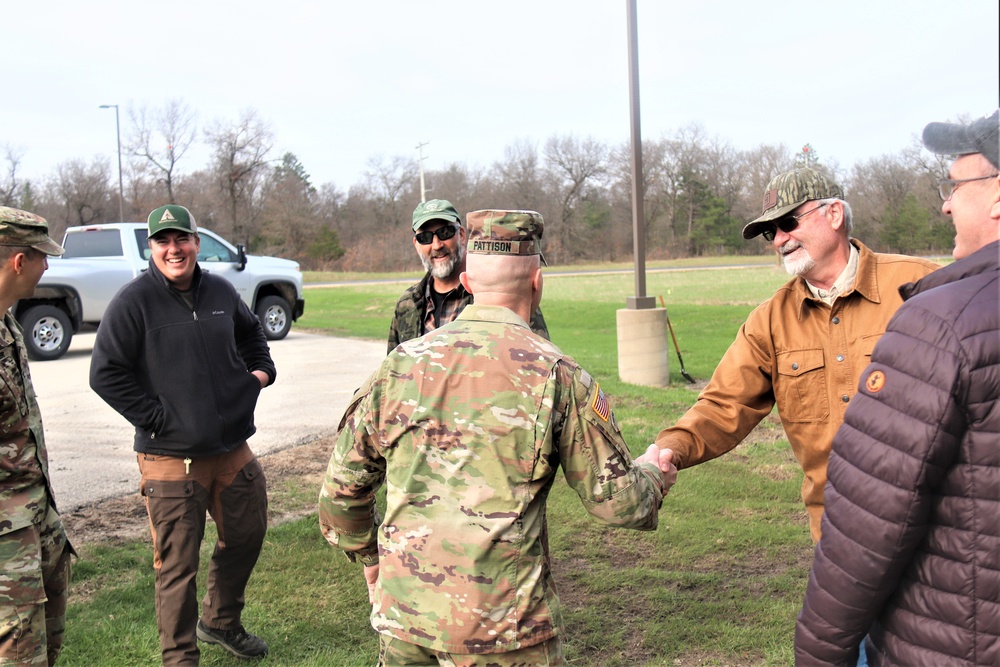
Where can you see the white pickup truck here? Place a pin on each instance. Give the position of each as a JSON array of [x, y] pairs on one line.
[[99, 259]]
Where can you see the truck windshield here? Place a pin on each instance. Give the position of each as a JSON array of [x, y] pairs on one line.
[[95, 243]]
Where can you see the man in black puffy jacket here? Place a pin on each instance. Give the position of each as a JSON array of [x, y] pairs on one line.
[[910, 552], [182, 358]]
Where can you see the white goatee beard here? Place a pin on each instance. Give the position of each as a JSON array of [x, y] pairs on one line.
[[799, 266]]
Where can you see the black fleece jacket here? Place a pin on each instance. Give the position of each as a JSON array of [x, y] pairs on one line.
[[181, 377]]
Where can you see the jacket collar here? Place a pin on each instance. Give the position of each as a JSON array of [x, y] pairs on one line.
[[865, 283], [985, 259]]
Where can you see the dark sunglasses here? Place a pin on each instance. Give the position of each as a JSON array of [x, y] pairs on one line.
[[787, 224], [444, 233]]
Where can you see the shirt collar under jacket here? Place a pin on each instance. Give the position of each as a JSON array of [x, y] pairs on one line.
[[844, 282], [865, 282]]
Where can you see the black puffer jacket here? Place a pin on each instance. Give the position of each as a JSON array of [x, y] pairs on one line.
[[911, 536]]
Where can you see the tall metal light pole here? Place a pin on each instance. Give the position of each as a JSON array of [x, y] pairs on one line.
[[640, 300], [423, 190], [642, 327], [121, 189]]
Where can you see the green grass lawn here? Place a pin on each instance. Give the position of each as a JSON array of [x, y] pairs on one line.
[[719, 583]]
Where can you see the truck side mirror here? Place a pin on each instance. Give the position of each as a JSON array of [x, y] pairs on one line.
[[241, 260]]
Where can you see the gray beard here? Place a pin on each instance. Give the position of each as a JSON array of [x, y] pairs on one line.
[[442, 271]]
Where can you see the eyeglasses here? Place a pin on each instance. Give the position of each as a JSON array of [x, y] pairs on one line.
[[947, 186], [443, 233], [788, 223]]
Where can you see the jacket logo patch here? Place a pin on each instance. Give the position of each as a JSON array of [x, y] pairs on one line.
[[875, 381], [218, 312], [600, 405]]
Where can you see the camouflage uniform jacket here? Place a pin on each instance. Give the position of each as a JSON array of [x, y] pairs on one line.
[[466, 427], [24, 466], [411, 312]]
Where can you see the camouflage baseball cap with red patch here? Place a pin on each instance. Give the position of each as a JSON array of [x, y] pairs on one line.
[[788, 191], [23, 228]]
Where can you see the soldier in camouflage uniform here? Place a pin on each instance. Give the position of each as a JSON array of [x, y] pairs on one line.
[[466, 426], [34, 552], [439, 239]]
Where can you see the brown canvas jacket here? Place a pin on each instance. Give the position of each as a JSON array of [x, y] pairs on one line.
[[804, 356]]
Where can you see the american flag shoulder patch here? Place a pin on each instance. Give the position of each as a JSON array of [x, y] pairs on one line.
[[600, 405]]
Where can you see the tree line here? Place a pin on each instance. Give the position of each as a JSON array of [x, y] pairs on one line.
[[699, 191]]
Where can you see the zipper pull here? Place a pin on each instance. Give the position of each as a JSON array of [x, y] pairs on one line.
[[187, 466]]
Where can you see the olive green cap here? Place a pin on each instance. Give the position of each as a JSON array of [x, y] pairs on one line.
[[788, 191], [434, 209], [171, 216], [505, 232], [22, 228]]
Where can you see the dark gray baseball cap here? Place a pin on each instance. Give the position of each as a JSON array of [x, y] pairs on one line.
[[980, 136]]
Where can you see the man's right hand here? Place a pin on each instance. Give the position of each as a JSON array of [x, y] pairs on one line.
[[662, 459]]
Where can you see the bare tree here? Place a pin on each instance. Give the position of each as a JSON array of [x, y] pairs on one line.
[[161, 137], [10, 187], [519, 178], [239, 161], [576, 169], [84, 192]]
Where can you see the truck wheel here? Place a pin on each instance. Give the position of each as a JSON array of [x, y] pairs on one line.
[[275, 317], [47, 332]]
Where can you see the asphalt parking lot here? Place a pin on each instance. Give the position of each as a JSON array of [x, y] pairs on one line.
[[90, 445]]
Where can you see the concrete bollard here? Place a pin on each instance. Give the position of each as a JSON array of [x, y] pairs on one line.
[[643, 350]]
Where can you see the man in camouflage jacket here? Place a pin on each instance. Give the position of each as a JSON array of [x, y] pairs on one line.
[[34, 552], [439, 239], [466, 427]]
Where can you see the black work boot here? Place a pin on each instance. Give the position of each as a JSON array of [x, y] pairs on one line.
[[237, 641]]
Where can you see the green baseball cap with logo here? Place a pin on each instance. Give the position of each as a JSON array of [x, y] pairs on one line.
[[171, 216], [25, 229], [788, 191], [434, 209], [494, 232]]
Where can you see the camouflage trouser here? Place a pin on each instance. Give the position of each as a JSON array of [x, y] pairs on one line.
[[231, 488], [34, 581], [396, 653]]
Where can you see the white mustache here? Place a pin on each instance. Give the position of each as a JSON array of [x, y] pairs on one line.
[[790, 247]]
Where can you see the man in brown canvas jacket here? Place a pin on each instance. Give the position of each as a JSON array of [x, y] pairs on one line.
[[805, 347]]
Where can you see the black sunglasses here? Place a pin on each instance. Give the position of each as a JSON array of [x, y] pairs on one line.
[[444, 233], [787, 224]]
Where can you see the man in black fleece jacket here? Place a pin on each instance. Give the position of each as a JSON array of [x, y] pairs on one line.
[[182, 358]]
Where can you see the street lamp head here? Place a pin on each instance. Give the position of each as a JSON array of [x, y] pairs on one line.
[[108, 106]]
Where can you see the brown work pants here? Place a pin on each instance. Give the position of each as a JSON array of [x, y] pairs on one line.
[[231, 488]]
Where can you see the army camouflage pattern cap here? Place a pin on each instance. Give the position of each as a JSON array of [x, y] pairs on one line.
[[21, 228], [435, 209], [171, 216], [505, 233], [981, 136], [788, 191]]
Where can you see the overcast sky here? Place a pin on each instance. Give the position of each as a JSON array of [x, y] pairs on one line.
[[343, 82]]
